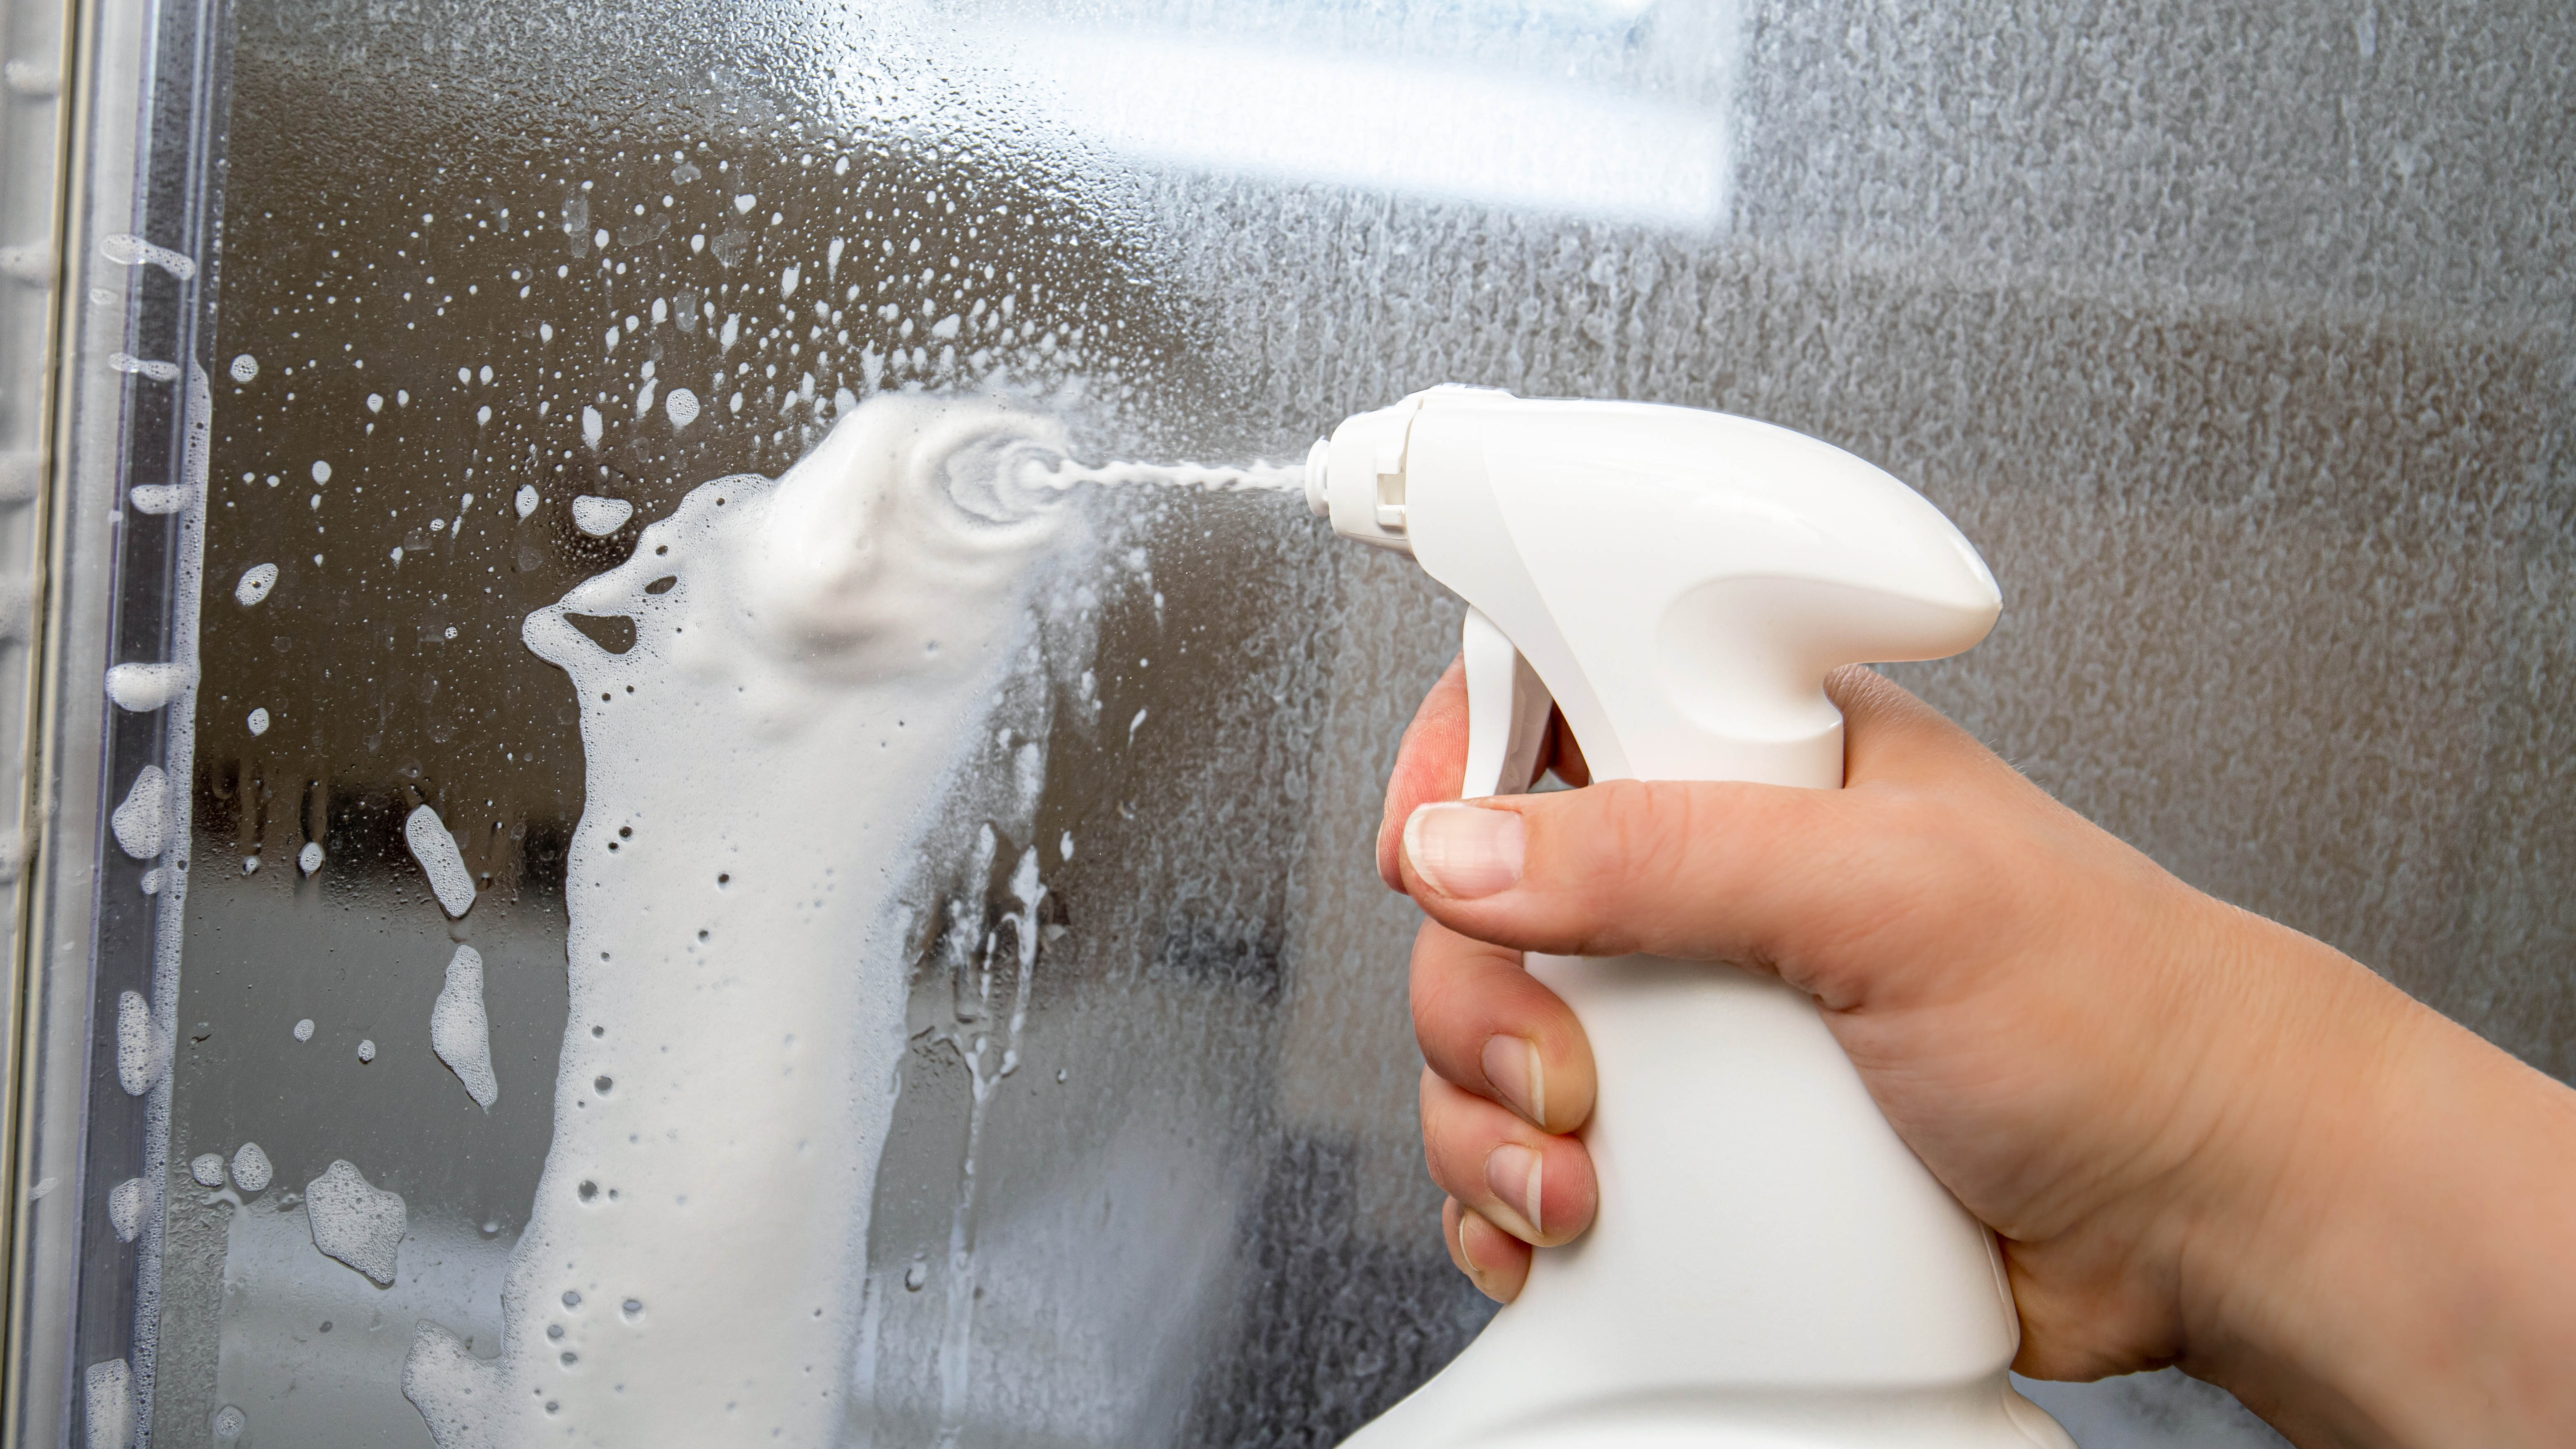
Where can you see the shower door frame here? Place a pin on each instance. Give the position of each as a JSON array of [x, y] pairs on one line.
[[140, 115]]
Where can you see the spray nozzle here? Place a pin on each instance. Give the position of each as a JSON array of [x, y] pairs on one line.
[[1356, 478]]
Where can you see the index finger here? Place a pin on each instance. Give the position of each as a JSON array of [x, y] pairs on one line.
[[1430, 766], [1431, 763]]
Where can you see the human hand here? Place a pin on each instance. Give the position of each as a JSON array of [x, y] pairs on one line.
[[2195, 1130]]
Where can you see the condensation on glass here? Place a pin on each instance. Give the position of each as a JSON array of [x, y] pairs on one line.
[[2238, 344]]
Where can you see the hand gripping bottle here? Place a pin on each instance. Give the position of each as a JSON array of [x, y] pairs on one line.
[[1771, 1265]]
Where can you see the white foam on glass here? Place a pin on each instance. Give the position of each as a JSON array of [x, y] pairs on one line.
[[802, 701], [440, 860], [460, 1032], [355, 1221], [255, 583]]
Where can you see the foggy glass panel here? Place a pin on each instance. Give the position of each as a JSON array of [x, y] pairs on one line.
[[2237, 342]]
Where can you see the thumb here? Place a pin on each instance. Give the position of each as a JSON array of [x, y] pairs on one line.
[[1697, 870]]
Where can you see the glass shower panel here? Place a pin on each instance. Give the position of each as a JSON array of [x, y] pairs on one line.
[[713, 910]]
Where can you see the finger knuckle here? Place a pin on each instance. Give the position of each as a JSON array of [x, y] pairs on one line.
[[1643, 831]]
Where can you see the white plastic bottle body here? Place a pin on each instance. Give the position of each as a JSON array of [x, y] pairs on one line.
[[1770, 1264], [1761, 1224]]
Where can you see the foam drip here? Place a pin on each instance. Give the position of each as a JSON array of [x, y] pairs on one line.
[[460, 1032], [440, 860]]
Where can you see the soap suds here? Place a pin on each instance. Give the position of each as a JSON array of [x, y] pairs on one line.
[[804, 698], [156, 498], [440, 860], [460, 1033], [258, 722], [130, 250], [355, 1221], [251, 1169], [304, 1029], [142, 688], [366, 1049], [125, 1209], [139, 822], [107, 1401], [600, 517], [207, 1168], [526, 500], [139, 1048], [309, 859], [255, 583]]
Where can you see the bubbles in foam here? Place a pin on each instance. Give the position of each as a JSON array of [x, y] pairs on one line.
[[152, 368], [251, 1169], [355, 1221], [440, 860], [526, 502], [125, 1209], [139, 1048], [258, 722], [107, 1405], [157, 498], [244, 367], [460, 1033], [130, 250], [309, 859], [207, 1168], [142, 688], [142, 818], [600, 517], [304, 1029]]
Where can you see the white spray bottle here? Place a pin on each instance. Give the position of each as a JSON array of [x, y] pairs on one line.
[[1771, 1265]]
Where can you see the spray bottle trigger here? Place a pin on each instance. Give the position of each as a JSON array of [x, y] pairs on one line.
[[1507, 710]]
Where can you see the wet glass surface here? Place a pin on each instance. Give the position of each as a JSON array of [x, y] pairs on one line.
[[2237, 343]]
